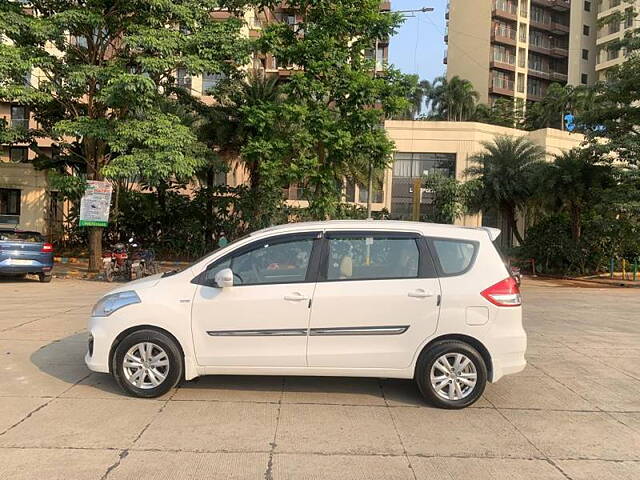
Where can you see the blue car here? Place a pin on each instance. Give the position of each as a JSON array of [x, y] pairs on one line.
[[23, 252]]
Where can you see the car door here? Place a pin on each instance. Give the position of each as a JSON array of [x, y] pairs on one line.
[[376, 300], [262, 320]]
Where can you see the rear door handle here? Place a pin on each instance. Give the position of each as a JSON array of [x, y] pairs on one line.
[[420, 293], [295, 297]]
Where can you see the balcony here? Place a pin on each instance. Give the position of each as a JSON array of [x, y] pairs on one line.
[[535, 95], [506, 10], [560, 51], [503, 64], [539, 72], [559, 28], [557, 5], [559, 77], [504, 35], [385, 6], [543, 47], [501, 86]]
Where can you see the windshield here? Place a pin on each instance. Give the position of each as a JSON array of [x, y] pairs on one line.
[[12, 236]]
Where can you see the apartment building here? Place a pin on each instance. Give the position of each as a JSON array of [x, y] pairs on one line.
[[614, 19], [517, 48]]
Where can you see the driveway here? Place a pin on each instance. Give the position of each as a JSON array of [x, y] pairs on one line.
[[574, 413]]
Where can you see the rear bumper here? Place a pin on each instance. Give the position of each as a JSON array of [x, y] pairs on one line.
[[20, 264], [509, 357]]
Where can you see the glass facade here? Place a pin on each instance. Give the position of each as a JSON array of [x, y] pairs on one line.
[[409, 166]]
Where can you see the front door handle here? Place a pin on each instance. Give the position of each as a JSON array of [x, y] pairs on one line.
[[295, 297], [420, 293]]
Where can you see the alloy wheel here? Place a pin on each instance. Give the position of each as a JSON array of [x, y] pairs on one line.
[[453, 376], [145, 365]]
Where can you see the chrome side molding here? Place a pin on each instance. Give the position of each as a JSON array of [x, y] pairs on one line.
[[314, 332]]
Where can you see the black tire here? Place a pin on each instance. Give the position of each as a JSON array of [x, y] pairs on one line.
[[426, 362], [167, 344], [45, 277]]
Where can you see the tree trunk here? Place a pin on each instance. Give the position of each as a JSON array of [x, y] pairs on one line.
[[510, 213], [208, 229], [95, 248], [576, 222]]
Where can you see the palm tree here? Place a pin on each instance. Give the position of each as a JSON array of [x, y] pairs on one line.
[[572, 183], [503, 172], [453, 100]]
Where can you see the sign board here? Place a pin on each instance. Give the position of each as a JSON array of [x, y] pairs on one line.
[[95, 203]]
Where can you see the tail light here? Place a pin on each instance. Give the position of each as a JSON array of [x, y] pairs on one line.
[[505, 293], [46, 248]]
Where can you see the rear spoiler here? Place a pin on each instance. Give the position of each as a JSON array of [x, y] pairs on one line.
[[493, 232]]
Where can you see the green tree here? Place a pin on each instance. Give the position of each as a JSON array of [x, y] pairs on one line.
[[503, 174], [102, 78], [329, 123], [557, 102], [452, 100], [573, 184], [451, 197]]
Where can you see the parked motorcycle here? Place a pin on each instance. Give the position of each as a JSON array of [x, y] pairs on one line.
[[115, 262], [143, 261]]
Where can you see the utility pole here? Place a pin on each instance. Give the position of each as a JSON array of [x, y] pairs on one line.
[[406, 13]]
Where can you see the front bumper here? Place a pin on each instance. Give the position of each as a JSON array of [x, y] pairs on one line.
[[99, 345]]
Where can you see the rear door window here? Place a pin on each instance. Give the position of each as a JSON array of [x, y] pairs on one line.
[[362, 257], [455, 257]]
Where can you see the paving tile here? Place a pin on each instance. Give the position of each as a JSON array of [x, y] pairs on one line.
[[83, 423], [333, 390], [55, 464], [336, 429], [575, 365], [34, 368], [212, 427], [600, 470], [14, 409], [189, 465], [340, 467], [631, 420], [618, 394], [592, 435], [234, 388], [514, 391], [440, 468], [472, 432]]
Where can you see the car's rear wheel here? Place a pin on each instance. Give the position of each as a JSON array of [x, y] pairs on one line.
[[451, 374], [45, 277], [147, 363]]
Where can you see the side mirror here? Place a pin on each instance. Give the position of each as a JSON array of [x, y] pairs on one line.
[[224, 278]]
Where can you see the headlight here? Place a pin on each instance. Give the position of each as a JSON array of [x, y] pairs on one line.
[[110, 303]]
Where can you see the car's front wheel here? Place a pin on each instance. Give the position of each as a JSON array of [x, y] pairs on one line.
[[451, 374], [147, 363]]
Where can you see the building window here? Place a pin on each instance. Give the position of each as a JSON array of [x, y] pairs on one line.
[[585, 54], [9, 202], [628, 18], [363, 194], [184, 79], [585, 30], [18, 154], [19, 116], [293, 192], [584, 78], [211, 80], [350, 191], [587, 6]]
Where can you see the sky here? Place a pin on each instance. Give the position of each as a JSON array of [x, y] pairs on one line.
[[418, 47]]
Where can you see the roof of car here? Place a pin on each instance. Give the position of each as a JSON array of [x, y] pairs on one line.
[[436, 229]]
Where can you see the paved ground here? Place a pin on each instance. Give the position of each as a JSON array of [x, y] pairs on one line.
[[574, 413]]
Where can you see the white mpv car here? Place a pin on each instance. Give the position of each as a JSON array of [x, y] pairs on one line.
[[339, 298]]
